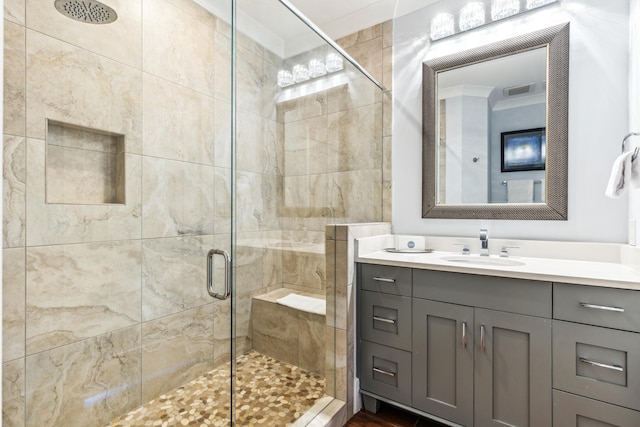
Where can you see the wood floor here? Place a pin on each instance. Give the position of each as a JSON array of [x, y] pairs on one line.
[[389, 416]]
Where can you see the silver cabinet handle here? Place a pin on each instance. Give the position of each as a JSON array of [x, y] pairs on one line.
[[384, 279], [602, 365], [383, 372], [602, 307], [382, 319], [482, 338], [464, 334], [227, 273]]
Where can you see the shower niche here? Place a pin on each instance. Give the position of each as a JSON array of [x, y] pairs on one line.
[[84, 166]]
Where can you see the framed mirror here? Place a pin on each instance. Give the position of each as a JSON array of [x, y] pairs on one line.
[[495, 130]]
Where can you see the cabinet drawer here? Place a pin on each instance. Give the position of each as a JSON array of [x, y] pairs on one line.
[[385, 371], [386, 319], [595, 362], [613, 308], [497, 293], [386, 279], [570, 410]]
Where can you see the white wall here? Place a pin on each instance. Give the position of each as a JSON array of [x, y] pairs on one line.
[[598, 118], [634, 102]]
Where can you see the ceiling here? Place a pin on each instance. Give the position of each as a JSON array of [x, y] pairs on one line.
[[272, 24]]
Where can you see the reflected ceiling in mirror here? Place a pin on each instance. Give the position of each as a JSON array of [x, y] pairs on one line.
[[495, 130]]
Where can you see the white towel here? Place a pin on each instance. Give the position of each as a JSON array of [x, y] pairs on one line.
[[520, 191], [301, 302], [625, 172]]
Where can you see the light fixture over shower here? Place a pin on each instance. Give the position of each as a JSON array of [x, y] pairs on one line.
[[478, 13], [316, 68]]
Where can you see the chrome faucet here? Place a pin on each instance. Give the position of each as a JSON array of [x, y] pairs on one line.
[[484, 241]]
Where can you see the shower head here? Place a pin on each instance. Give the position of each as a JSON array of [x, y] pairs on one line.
[[88, 11]]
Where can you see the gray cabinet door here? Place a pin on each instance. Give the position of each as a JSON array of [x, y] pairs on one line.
[[443, 360], [512, 369], [570, 410]]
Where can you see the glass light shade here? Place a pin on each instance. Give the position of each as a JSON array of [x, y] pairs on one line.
[[471, 16], [285, 78], [334, 63], [504, 8], [442, 26], [300, 73], [532, 4], [316, 68]]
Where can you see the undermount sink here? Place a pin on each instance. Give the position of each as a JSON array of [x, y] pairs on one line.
[[482, 260]]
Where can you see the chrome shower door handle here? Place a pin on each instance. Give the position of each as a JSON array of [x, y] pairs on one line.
[[227, 273]]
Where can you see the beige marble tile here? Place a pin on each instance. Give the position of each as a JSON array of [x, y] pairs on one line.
[[387, 114], [356, 196], [342, 282], [249, 268], [178, 123], [303, 269], [330, 291], [13, 188], [367, 34], [177, 198], [80, 291], [387, 33], [341, 361], [330, 360], [185, 55], [63, 223], [273, 146], [221, 332], [96, 81], [222, 133], [196, 11], [250, 154], [355, 139], [359, 91], [306, 146], [13, 393], [222, 66], [176, 349], [387, 68], [119, 40], [85, 383], [13, 303], [275, 331], [249, 202], [249, 81], [222, 201], [311, 342], [270, 90], [14, 100], [369, 55], [387, 199], [303, 107], [14, 11], [182, 286], [81, 177]]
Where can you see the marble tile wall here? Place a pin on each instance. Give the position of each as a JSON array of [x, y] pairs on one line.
[[104, 305]]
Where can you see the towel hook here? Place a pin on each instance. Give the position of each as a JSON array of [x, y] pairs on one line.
[[624, 141]]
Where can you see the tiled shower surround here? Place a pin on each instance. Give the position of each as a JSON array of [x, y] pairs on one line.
[[104, 305]]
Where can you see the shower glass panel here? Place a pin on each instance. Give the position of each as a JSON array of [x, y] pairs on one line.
[[117, 183], [308, 153]]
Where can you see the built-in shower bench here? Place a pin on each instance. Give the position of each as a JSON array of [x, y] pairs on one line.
[[289, 334]]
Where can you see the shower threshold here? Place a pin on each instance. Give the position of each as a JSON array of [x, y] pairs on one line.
[[268, 392]]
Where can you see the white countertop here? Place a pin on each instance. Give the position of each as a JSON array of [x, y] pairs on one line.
[[608, 274]]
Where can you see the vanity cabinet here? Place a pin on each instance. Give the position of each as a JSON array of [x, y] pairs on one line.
[[596, 356], [480, 348]]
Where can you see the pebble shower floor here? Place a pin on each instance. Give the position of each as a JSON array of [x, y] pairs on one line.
[[268, 393]]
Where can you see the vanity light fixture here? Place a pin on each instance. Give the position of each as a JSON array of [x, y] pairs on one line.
[[532, 4], [442, 26], [285, 78], [473, 15], [316, 68], [501, 9], [334, 63], [301, 73]]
